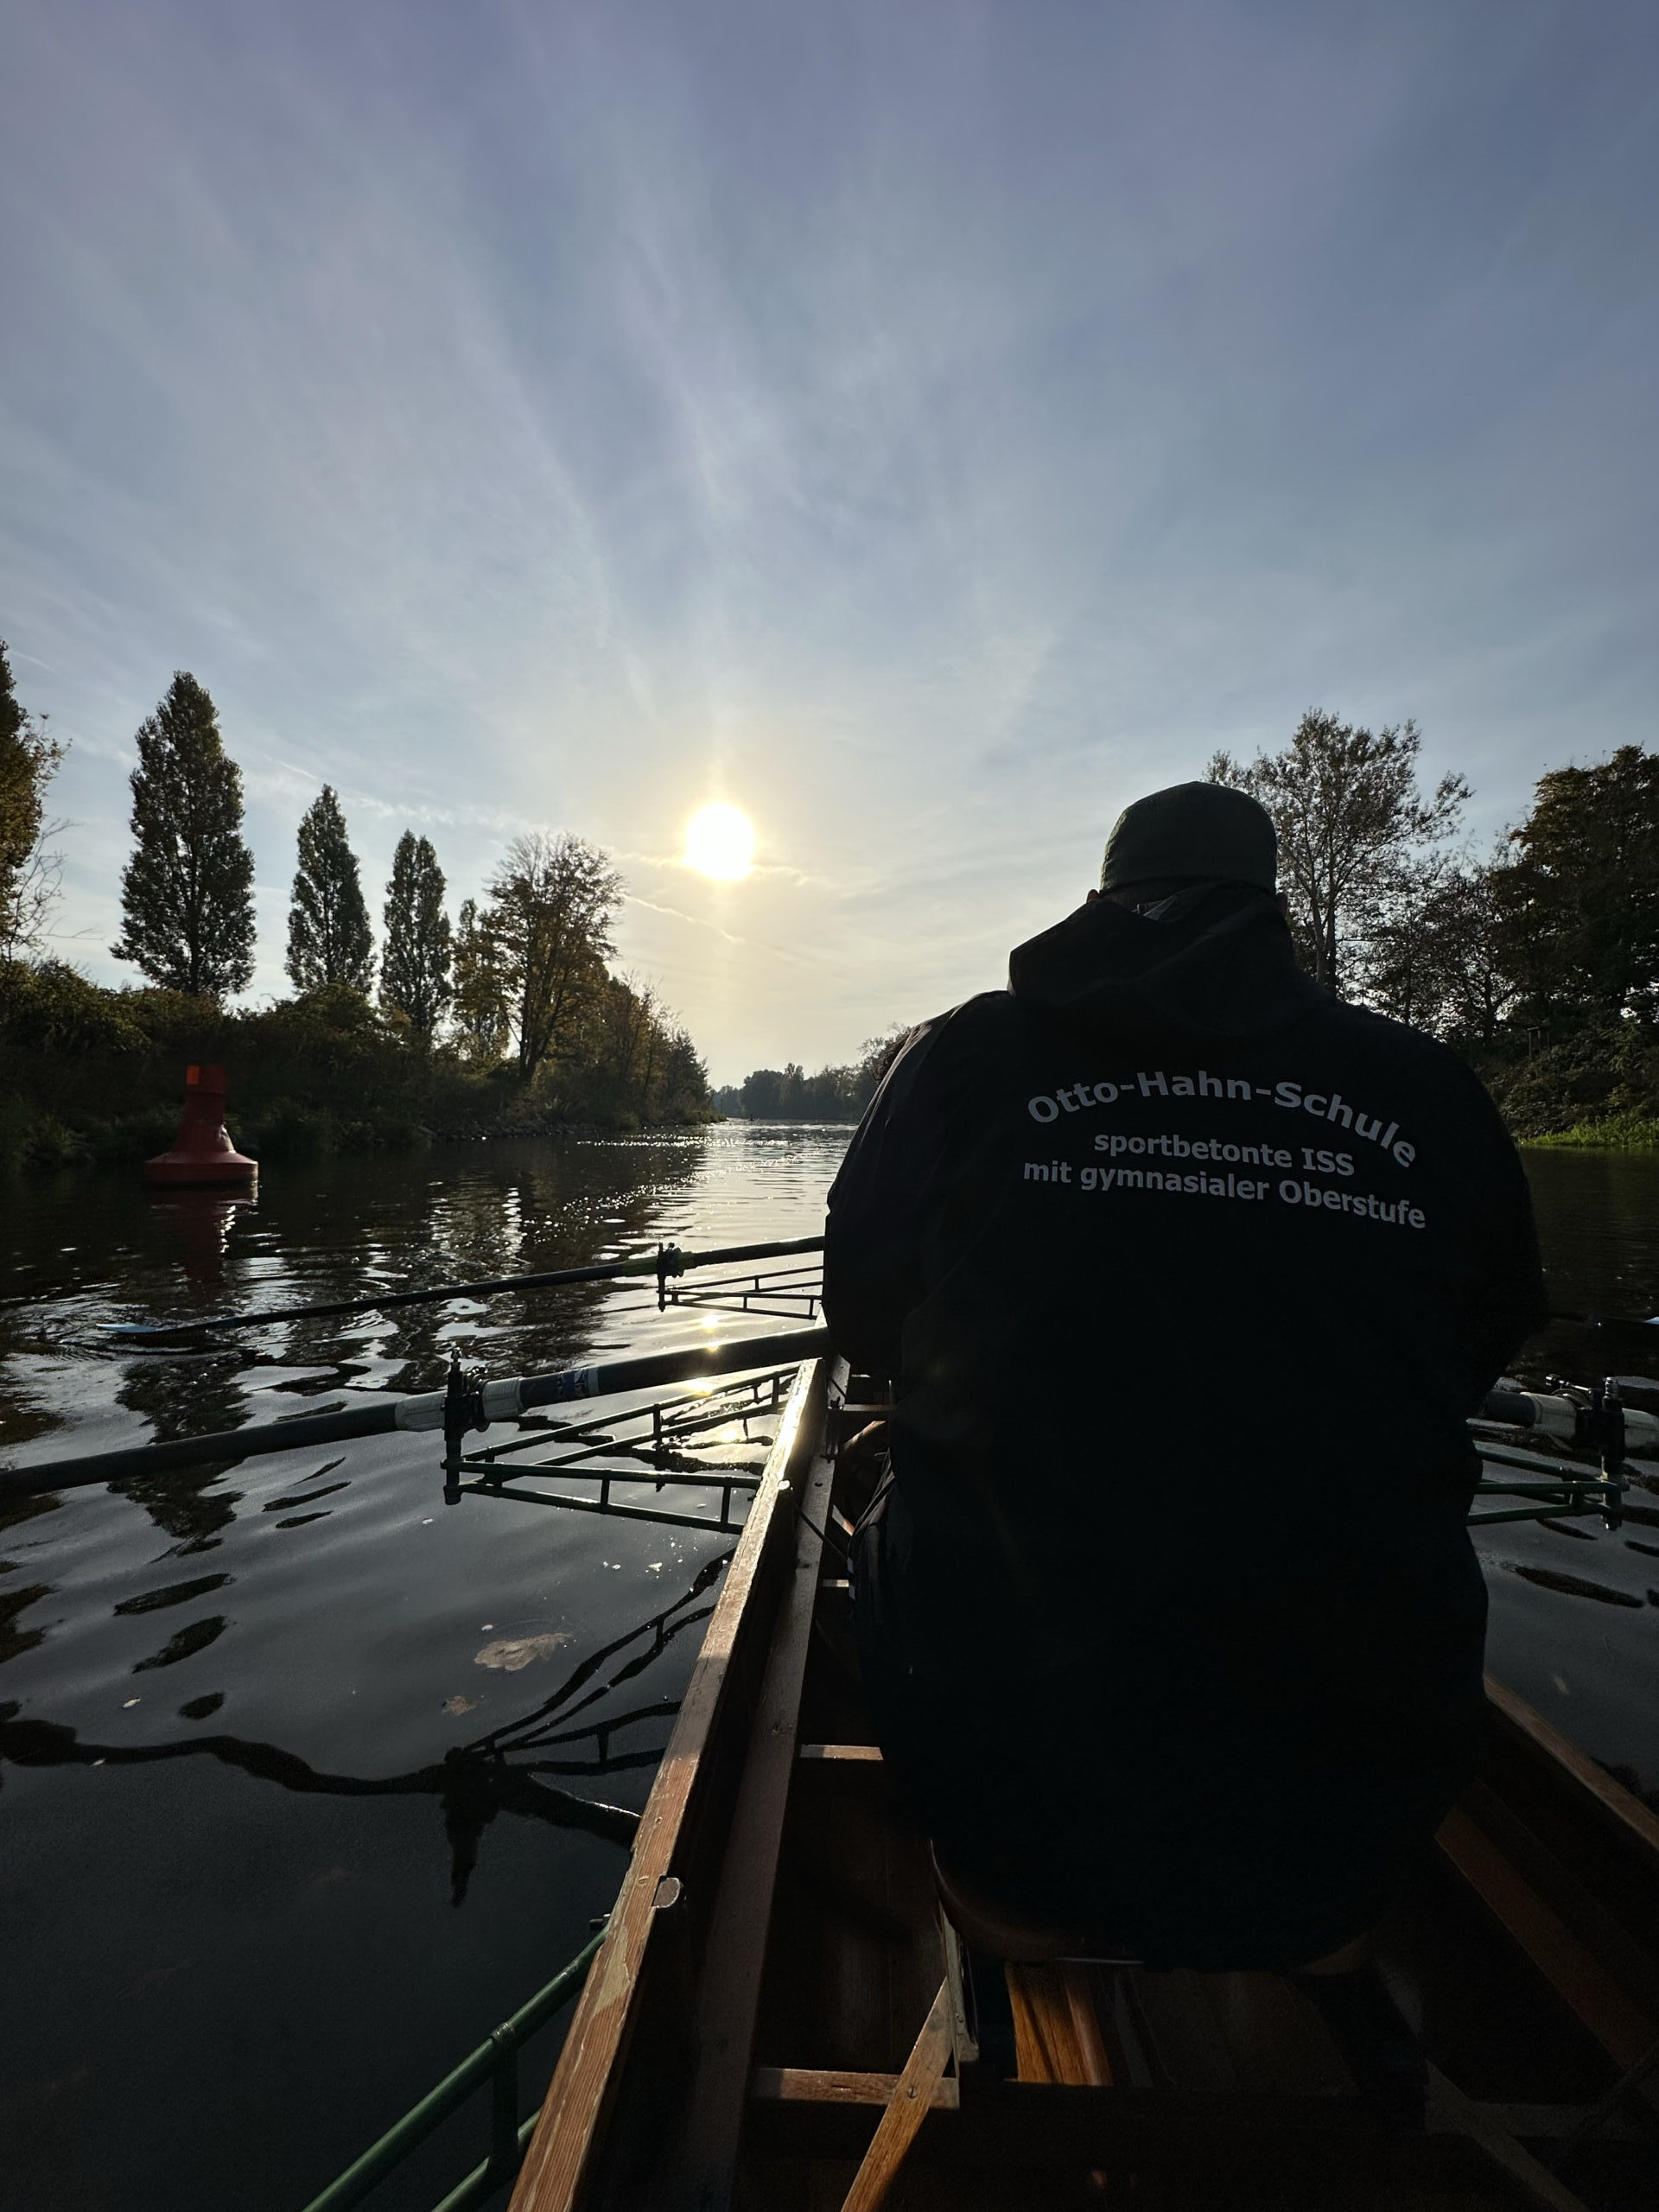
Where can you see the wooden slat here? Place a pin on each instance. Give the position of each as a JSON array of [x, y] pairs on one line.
[[1186, 2045], [1593, 1913], [1542, 2122], [1570, 1967], [1056, 2033], [825, 2085], [912, 2096], [1626, 1812], [1249, 2034], [858, 1751], [1476, 2122], [706, 2160], [584, 2081], [1278, 2043]]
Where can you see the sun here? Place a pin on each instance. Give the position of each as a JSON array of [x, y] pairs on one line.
[[719, 842]]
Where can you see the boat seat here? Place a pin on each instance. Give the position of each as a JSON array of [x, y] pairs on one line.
[[1079, 2011], [989, 1925]]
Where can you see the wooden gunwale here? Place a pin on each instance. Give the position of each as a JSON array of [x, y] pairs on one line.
[[1624, 1812], [736, 1950], [564, 2148]]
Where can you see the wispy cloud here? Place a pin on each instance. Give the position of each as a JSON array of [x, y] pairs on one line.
[[924, 427]]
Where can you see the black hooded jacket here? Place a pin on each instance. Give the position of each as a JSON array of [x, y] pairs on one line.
[[1188, 1276]]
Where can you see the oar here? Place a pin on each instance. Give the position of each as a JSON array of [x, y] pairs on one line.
[[668, 1260], [1609, 1321], [467, 1404]]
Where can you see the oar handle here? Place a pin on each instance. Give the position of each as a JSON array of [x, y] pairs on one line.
[[1606, 1425]]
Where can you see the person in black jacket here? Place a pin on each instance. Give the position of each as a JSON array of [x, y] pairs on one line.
[[1187, 1275]]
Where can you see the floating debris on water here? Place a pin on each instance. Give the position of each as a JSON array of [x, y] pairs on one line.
[[514, 1653], [459, 1705]]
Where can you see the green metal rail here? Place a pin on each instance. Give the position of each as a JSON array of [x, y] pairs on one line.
[[495, 2060]]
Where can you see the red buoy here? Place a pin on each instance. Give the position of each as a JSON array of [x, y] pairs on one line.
[[202, 1151]]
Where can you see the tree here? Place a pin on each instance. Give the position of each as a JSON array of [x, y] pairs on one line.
[[479, 1000], [550, 921], [328, 937], [1471, 967], [29, 874], [186, 893], [684, 1077], [1580, 897], [1396, 966], [416, 963], [1351, 825]]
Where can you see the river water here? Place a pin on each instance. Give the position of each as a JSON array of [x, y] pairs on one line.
[[250, 1913]]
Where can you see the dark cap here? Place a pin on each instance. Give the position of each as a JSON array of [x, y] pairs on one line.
[[1195, 830]]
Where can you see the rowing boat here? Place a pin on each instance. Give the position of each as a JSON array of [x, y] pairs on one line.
[[782, 2015]]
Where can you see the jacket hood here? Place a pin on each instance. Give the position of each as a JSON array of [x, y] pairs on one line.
[[1218, 961]]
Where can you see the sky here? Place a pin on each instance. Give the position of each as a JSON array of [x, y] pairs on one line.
[[924, 426]]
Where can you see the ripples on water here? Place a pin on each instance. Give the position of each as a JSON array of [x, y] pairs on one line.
[[232, 1964], [234, 1846]]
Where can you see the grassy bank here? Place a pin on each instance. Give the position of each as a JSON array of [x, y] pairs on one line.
[[1592, 1087], [1617, 1133], [88, 1075]]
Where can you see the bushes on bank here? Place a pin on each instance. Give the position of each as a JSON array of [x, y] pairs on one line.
[[89, 1075], [1595, 1075]]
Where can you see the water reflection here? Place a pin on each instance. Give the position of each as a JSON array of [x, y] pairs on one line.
[[192, 1397], [203, 1221], [495, 1773], [278, 1825], [16, 1600]]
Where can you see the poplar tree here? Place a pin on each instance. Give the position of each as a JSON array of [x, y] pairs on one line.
[[28, 874], [482, 1014], [186, 893], [328, 936], [416, 963]]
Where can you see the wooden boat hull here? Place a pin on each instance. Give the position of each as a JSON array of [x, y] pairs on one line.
[[781, 2016]]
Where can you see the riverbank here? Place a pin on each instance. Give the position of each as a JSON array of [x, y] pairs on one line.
[[90, 1076], [1618, 1133]]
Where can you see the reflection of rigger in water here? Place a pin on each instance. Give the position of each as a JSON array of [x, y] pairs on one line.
[[1169, 1613], [495, 1773]]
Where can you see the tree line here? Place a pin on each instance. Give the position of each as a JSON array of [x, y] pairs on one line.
[[833, 1094], [521, 979], [1538, 960]]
